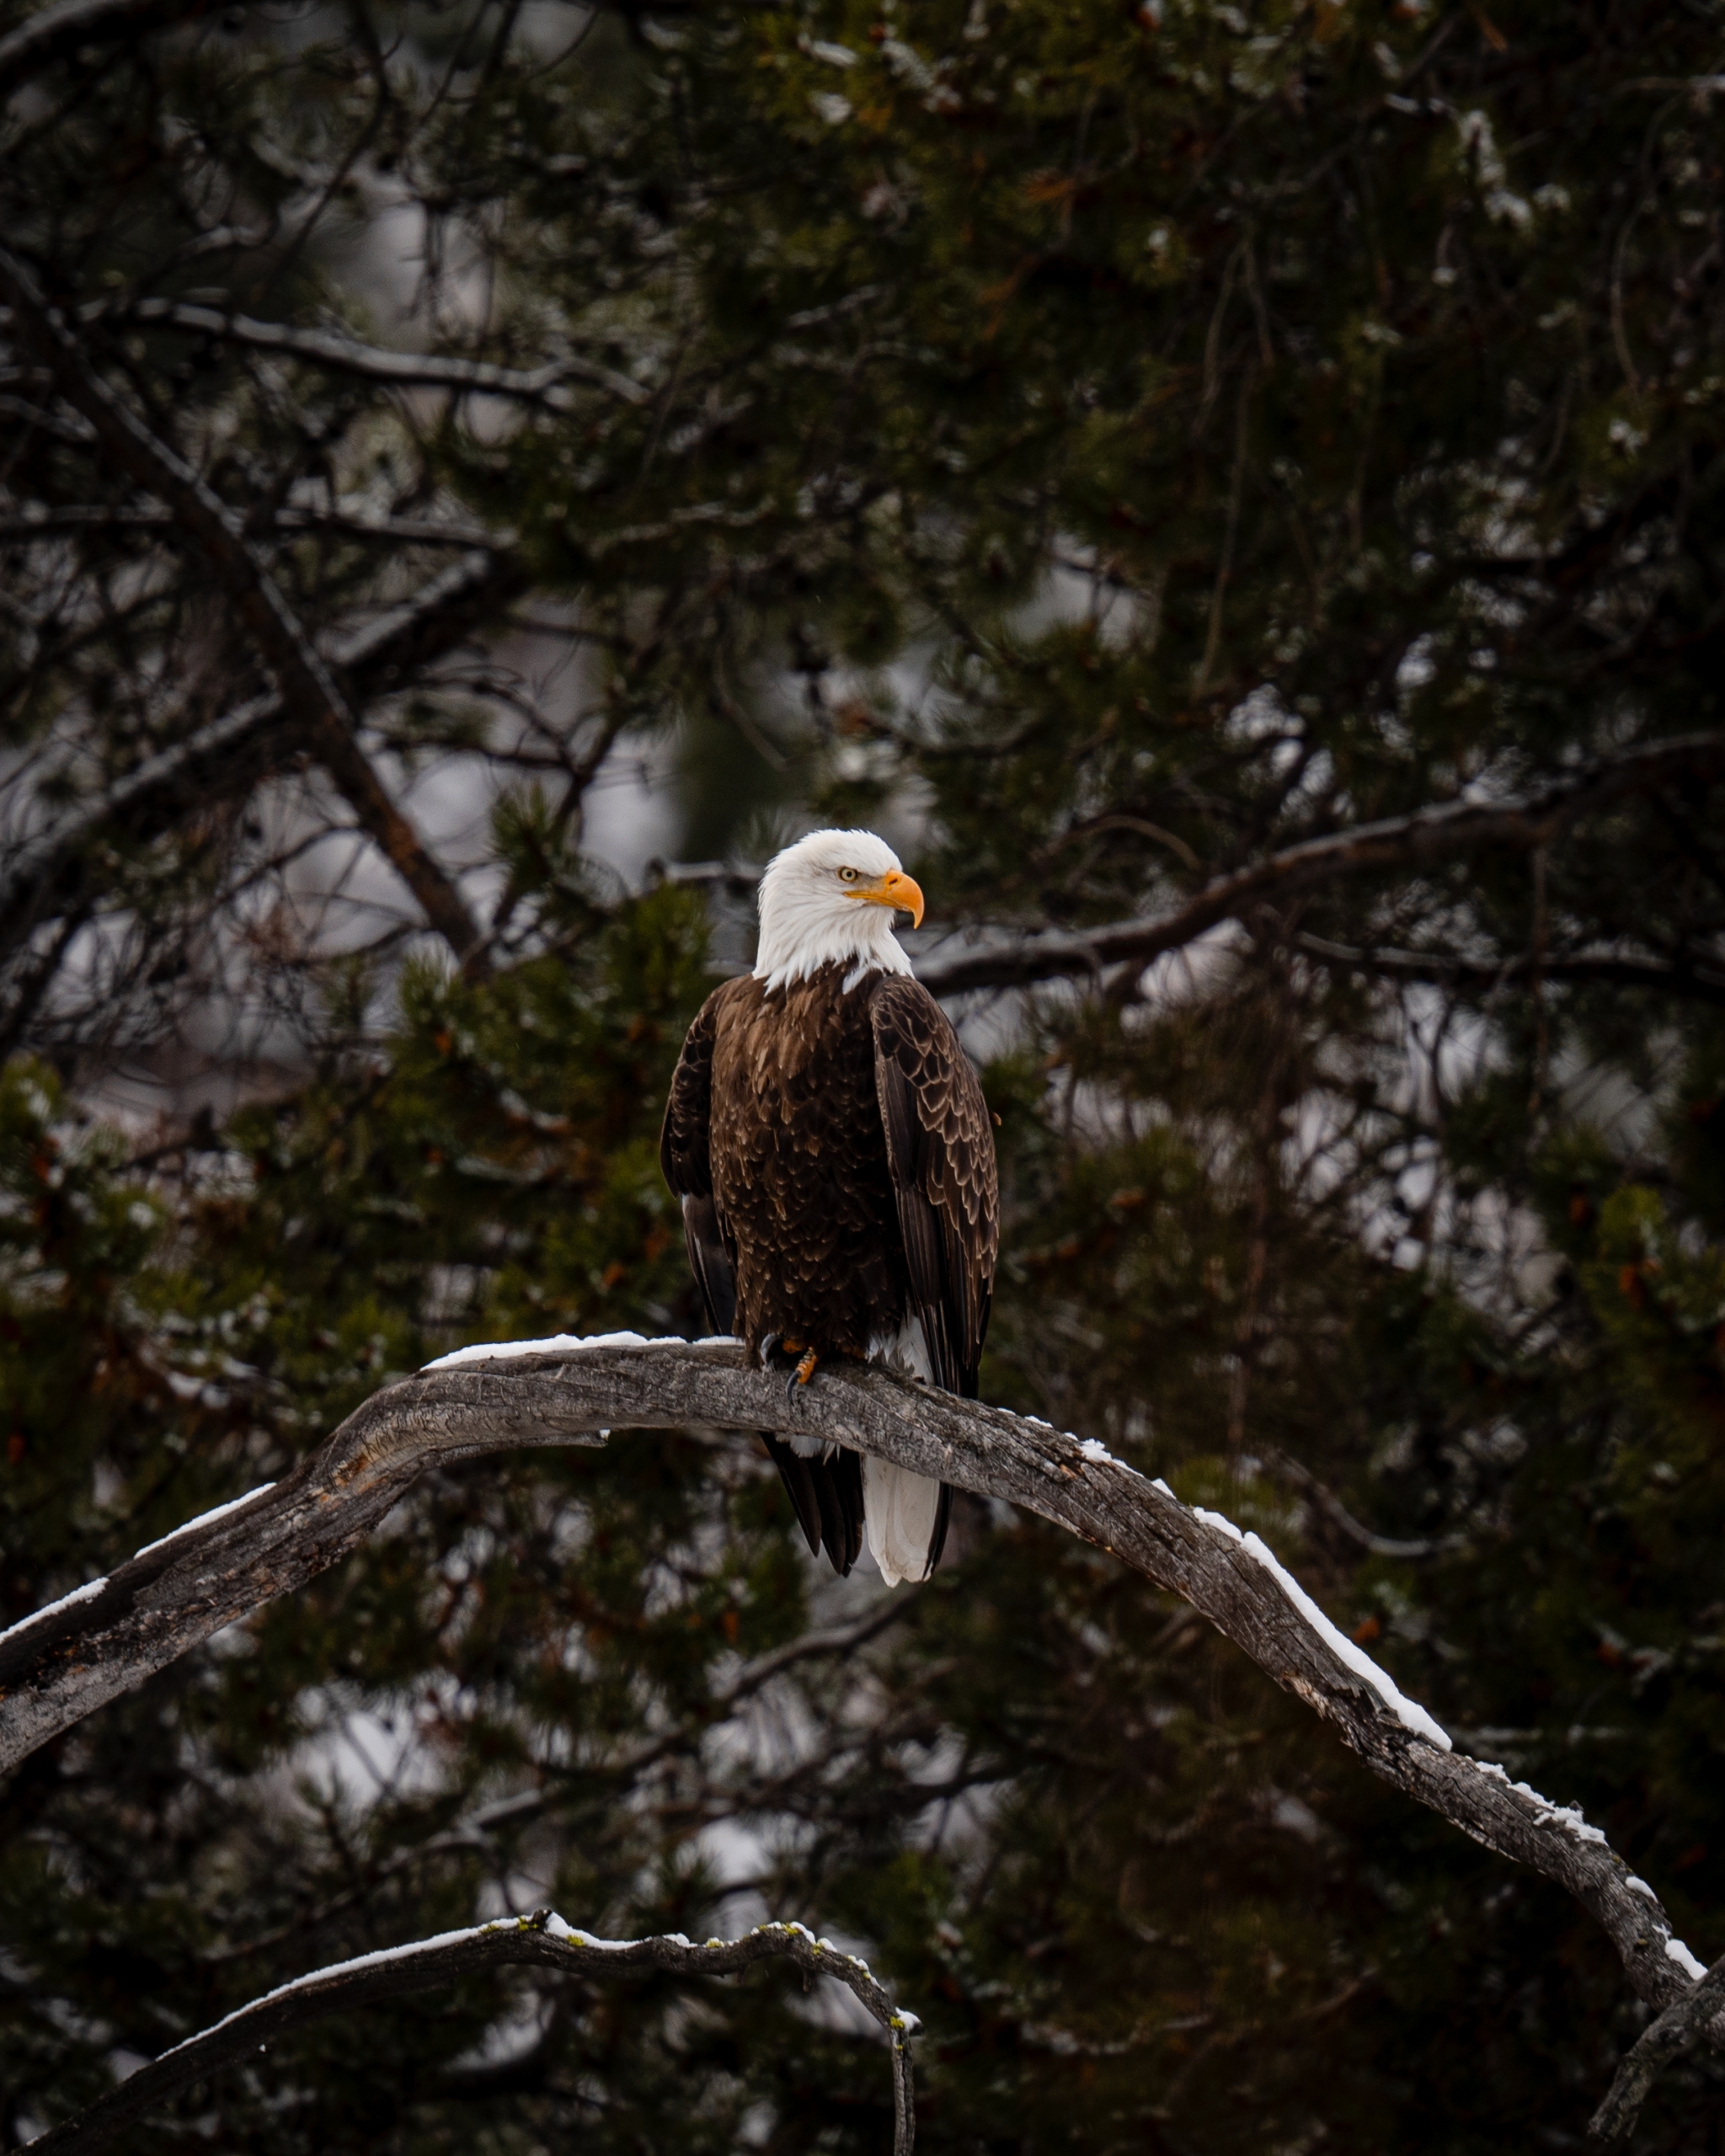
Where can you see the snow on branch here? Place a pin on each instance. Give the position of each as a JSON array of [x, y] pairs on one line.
[[543, 1939], [547, 385], [108, 1636]]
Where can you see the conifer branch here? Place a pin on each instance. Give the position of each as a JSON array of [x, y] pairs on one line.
[[1393, 844], [542, 1941], [1693, 980], [473, 1829], [107, 1636]]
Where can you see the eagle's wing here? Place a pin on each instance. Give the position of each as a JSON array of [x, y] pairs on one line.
[[684, 1155], [940, 1150]]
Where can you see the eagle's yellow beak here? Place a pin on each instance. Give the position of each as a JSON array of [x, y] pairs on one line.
[[896, 889]]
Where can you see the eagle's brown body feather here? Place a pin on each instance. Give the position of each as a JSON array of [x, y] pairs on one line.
[[836, 1162]]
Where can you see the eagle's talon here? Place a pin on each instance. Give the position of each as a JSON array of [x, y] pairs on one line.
[[766, 1350], [805, 1370]]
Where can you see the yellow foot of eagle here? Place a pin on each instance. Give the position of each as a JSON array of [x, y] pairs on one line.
[[776, 1349]]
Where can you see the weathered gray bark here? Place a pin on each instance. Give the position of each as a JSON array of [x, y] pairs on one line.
[[542, 1940], [68, 1660], [1675, 2031]]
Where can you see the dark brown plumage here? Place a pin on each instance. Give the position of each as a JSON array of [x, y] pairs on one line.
[[836, 1162]]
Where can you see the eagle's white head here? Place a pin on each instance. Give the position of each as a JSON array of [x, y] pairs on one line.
[[831, 898]]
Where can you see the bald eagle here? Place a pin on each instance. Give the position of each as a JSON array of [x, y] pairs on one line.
[[830, 1143]]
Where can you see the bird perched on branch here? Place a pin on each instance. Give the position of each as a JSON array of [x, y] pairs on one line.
[[835, 1158]]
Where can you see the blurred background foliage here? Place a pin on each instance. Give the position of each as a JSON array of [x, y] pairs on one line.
[[1105, 447]]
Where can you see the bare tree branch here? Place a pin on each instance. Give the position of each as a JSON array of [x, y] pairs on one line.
[[1400, 843], [389, 530], [1660, 2043], [374, 656], [56, 33], [411, 369], [1698, 983], [311, 699], [34, 862], [542, 1941], [1289, 1470], [107, 1636]]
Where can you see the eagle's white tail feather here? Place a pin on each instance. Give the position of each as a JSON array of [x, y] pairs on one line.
[[898, 1512], [898, 1507]]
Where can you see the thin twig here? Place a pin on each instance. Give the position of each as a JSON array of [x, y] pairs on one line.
[[1620, 331], [1291, 1469], [545, 385], [1225, 566], [1695, 981]]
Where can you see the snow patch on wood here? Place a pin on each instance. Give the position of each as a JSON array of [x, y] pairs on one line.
[[1098, 1455], [84, 1594], [1566, 1816], [570, 1343], [1408, 1712], [377, 1959], [203, 1519], [1219, 1520]]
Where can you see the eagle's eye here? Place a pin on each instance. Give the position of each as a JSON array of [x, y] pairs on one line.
[[847, 875]]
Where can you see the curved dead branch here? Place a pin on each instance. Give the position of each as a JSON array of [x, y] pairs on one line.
[[542, 1940], [106, 1637], [1404, 844]]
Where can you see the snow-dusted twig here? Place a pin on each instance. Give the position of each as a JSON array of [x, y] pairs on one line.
[[1517, 822], [60, 1664], [542, 1940], [548, 385], [1661, 2042]]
